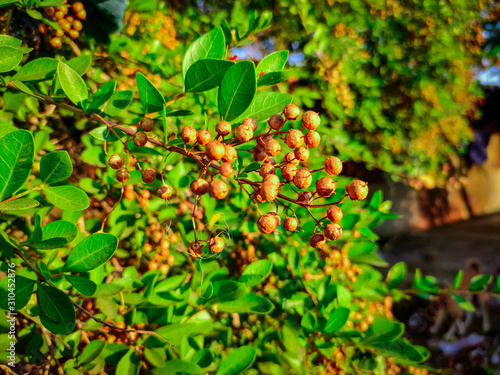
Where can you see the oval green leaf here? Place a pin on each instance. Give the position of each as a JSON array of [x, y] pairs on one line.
[[210, 45], [118, 102], [55, 167], [10, 57], [238, 361], [23, 290], [58, 233], [396, 275], [206, 74], [37, 70], [19, 204], [57, 313], [479, 282], [256, 272], [264, 105], [151, 99], [67, 197], [91, 351], [91, 253], [72, 84], [83, 285], [80, 64], [275, 62], [337, 319], [129, 364], [273, 78]]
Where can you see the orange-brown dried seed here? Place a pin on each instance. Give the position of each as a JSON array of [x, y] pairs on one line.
[[272, 147], [333, 165], [311, 120], [291, 112], [218, 189], [215, 150], [301, 153], [116, 161], [147, 124], [333, 231], [276, 122], [140, 139], [230, 154], [226, 169], [216, 245], [164, 192], [312, 139], [148, 175], [244, 133], [250, 122], [357, 190], [267, 224], [204, 137], [199, 186], [288, 171], [334, 214], [317, 240], [302, 178], [291, 224], [122, 175], [188, 134], [267, 168], [294, 138], [223, 128], [325, 186]]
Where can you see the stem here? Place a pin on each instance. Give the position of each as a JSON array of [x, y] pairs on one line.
[[40, 187]]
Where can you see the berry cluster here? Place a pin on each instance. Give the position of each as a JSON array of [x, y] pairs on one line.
[[70, 24]]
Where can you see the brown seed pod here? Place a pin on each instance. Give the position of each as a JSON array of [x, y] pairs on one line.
[[276, 217], [333, 231], [188, 134], [272, 147], [244, 133], [290, 159], [77, 25], [216, 245], [267, 168], [294, 138], [302, 178], [276, 122], [195, 249], [271, 179], [122, 175], [215, 150], [147, 124], [288, 171], [267, 224], [259, 154], [250, 122], [82, 14], [311, 120], [312, 139], [333, 165], [317, 241], [262, 140], [270, 187], [304, 197], [164, 192], [301, 153], [148, 175], [218, 189], [204, 137], [258, 198], [325, 186], [334, 214], [357, 190], [230, 154], [199, 186], [291, 112], [73, 34], [223, 128], [291, 224], [226, 169], [116, 161], [140, 139]]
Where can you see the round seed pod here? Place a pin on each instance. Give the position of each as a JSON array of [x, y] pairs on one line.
[[258, 198], [226, 169], [325, 186], [204, 137], [195, 249], [317, 241], [73, 34], [276, 217], [147, 124], [333, 231], [312, 139], [223, 128], [301, 153], [294, 138], [164, 192], [77, 25], [218, 189], [267, 224], [216, 245], [272, 147], [334, 214], [304, 197], [188, 134], [148, 175], [267, 168], [199, 186], [116, 161], [270, 188], [140, 139], [259, 154], [291, 224], [290, 159], [311, 120], [291, 112], [215, 150], [250, 122], [302, 178], [262, 140], [230, 154], [357, 190], [288, 171], [244, 132], [122, 175], [333, 165], [272, 179], [276, 122]]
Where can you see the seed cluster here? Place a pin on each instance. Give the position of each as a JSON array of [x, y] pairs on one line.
[[70, 25]]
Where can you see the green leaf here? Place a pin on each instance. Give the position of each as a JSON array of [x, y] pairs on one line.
[[34, 14], [383, 330], [463, 303], [118, 102], [72, 84], [237, 90], [102, 95], [151, 99], [199, 323], [209, 46], [308, 323], [56, 234], [249, 303], [275, 62], [206, 74], [37, 70], [57, 313], [67, 197], [256, 272], [458, 279], [264, 106], [129, 364], [55, 167], [22, 288], [401, 349], [91, 252], [91, 351], [19, 204], [80, 64], [37, 231], [178, 366], [496, 289], [102, 132], [238, 361], [7, 40], [396, 275], [10, 57], [17, 150], [273, 78], [337, 319], [479, 282], [83, 285]]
